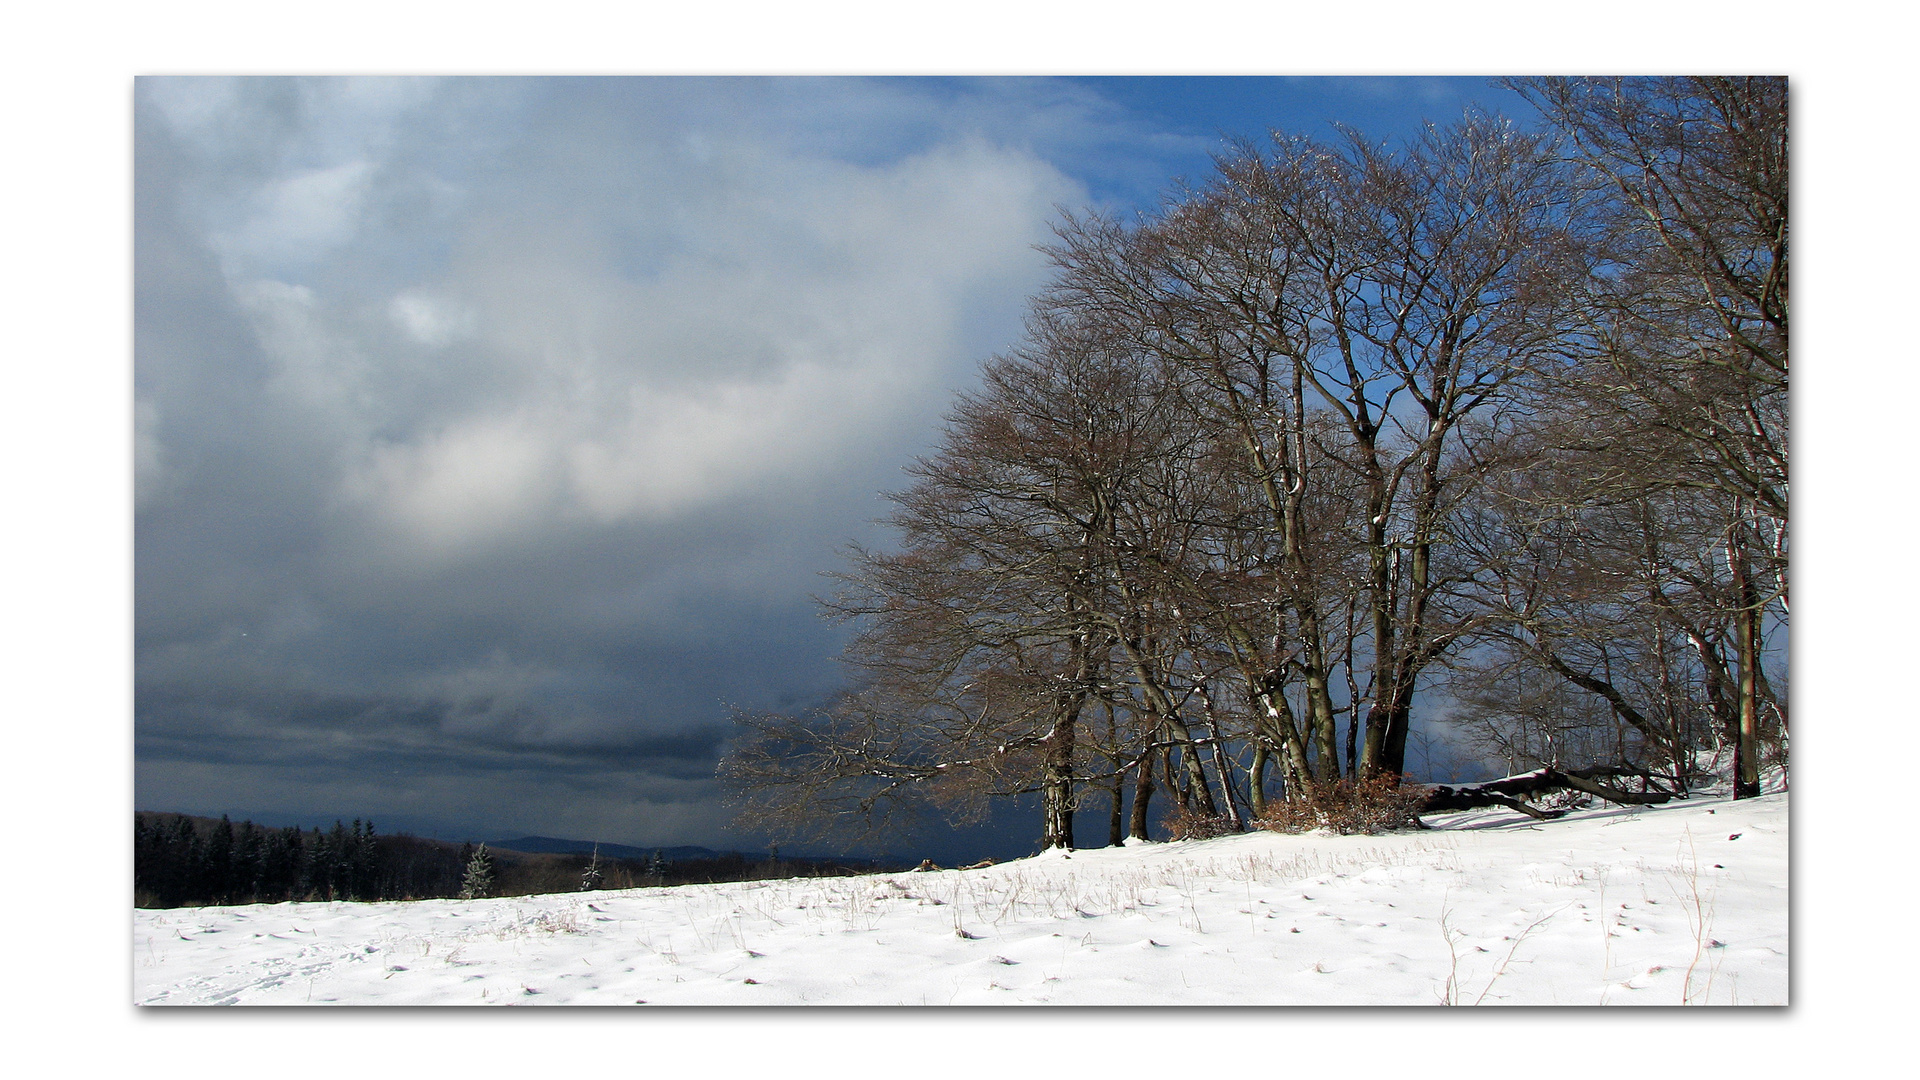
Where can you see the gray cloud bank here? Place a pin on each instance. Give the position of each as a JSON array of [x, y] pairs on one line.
[[491, 435]]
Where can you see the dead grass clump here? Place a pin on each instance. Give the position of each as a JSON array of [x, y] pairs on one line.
[[1370, 805], [1190, 824]]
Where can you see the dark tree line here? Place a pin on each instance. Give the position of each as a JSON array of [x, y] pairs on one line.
[[1495, 419], [180, 860], [177, 862]]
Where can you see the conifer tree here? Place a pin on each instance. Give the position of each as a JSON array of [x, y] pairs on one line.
[[479, 876], [590, 878]]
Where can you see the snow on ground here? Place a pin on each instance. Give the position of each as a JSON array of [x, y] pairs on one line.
[[1678, 904]]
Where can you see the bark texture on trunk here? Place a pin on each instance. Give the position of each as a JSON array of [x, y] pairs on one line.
[[1056, 791], [1746, 747], [1142, 793], [1257, 782]]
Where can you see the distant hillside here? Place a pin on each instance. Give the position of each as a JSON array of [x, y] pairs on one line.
[[553, 845], [685, 853], [181, 859]]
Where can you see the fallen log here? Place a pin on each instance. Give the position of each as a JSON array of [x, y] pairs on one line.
[[1582, 780], [1442, 798], [1503, 792]]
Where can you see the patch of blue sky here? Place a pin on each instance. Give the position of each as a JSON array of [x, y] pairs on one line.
[[1196, 116]]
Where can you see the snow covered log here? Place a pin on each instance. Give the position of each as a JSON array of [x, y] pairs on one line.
[[1443, 798], [1511, 791], [1587, 780]]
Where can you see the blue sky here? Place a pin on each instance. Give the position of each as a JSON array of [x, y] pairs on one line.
[[492, 435]]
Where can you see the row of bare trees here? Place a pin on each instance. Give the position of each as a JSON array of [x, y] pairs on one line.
[[1493, 422]]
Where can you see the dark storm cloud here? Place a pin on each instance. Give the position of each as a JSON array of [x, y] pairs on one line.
[[491, 435]]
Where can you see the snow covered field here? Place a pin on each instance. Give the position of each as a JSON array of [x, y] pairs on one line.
[[1684, 903]]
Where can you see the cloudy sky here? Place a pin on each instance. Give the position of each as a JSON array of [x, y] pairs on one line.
[[492, 435]]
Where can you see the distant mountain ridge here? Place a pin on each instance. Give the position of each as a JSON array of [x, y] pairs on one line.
[[553, 845]]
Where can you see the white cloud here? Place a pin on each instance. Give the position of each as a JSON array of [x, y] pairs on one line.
[[301, 218], [196, 108], [151, 476], [431, 320], [680, 451], [320, 373], [479, 477], [808, 312]]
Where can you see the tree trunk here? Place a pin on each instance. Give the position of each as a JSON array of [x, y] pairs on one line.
[[1295, 775], [1196, 788], [1056, 790], [1142, 792], [1257, 781], [1746, 747], [1056, 785], [1159, 704], [1320, 707], [1385, 752], [1116, 787], [1220, 765]]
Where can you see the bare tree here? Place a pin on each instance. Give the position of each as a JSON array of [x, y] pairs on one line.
[[1680, 379], [1595, 610], [1342, 314], [1024, 597], [1342, 416]]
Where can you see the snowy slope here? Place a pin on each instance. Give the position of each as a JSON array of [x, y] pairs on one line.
[[1684, 903]]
